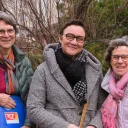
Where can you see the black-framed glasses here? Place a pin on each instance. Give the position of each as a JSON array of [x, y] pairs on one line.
[[116, 58], [71, 37], [10, 32]]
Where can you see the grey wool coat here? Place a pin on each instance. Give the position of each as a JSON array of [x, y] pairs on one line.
[[51, 102]]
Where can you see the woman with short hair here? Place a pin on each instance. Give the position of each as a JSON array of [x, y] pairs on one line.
[[115, 108], [15, 70], [69, 77]]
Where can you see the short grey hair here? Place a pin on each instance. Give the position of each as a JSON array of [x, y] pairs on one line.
[[8, 19], [114, 44]]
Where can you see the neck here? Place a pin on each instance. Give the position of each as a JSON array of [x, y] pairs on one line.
[[5, 52], [117, 77]]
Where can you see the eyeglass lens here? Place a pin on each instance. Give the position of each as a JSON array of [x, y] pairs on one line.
[[123, 57], [9, 31], [71, 37]]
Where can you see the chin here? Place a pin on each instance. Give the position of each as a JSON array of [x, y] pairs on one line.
[[120, 74], [70, 53], [8, 47]]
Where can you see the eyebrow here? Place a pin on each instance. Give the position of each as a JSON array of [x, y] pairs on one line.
[[6, 29], [74, 35]]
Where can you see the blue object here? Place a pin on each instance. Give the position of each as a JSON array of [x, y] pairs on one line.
[[13, 118]]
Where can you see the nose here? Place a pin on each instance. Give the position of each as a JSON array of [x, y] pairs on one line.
[[6, 34], [120, 60], [74, 42]]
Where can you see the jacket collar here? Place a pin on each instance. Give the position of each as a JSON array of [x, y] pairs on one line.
[[55, 70], [105, 82], [93, 70], [19, 55]]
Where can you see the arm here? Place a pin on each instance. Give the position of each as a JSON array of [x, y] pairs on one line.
[[96, 121], [36, 104], [25, 88]]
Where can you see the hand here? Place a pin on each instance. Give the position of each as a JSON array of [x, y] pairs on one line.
[[90, 127], [25, 127], [72, 126], [6, 101]]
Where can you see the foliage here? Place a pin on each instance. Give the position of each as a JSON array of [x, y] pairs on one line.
[[98, 50], [40, 21], [108, 19], [35, 59]]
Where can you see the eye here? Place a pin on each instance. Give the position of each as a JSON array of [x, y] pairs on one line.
[[70, 36], [2, 31], [116, 57], [10, 30], [124, 56], [80, 38]]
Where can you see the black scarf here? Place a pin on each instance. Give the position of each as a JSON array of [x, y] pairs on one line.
[[74, 71]]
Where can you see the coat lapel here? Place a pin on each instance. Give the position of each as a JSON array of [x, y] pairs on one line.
[[92, 79], [91, 76], [58, 75]]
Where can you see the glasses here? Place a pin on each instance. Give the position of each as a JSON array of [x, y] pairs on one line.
[[123, 57], [71, 37], [10, 32]]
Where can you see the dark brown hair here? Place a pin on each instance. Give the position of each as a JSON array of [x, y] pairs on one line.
[[76, 22]]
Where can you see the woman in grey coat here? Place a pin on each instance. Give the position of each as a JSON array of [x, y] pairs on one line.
[[68, 78]]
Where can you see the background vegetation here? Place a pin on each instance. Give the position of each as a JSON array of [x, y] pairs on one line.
[[39, 22]]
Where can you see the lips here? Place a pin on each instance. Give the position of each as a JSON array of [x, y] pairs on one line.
[[72, 47], [6, 40], [120, 67]]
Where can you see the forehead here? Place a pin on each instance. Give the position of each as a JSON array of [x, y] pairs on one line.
[[4, 25], [120, 50], [76, 30]]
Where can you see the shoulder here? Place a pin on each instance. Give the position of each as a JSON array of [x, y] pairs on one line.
[[20, 57], [26, 61], [41, 66], [92, 60]]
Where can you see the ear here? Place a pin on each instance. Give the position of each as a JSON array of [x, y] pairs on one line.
[[60, 38]]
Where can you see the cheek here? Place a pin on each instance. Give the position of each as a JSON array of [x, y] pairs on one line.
[[111, 63], [13, 39], [81, 47], [127, 67], [113, 66]]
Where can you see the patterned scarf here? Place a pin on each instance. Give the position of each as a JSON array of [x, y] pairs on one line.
[[80, 88], [74, 71], [10, 79], [109, 107]]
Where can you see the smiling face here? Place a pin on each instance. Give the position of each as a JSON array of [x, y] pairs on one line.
[[120, 66], [72, 48], [6, 40]]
